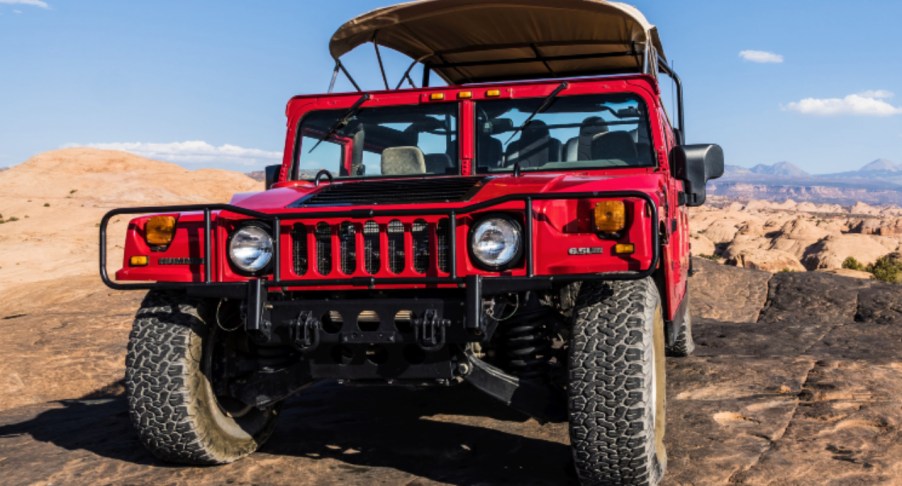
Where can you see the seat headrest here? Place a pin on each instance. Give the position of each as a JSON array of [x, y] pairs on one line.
[[535, 130], [403, 161], [593, 126], [615, 145], [438, 163]]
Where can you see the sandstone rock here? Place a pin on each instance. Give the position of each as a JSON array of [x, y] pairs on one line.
[[796, 236], [702, 246], [845, 272], [834, 249], [772, 261]]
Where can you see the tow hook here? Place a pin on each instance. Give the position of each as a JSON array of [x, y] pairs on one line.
[[430, 330], [305, 331]]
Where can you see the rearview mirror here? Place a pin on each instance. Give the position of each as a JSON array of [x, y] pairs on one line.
[[696, 165], [272, 175]]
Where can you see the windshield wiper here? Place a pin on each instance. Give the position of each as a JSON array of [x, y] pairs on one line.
[[541, 109], [343, 121]]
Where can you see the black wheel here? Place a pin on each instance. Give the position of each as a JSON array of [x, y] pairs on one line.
[[683, 345], [616, 384], [172, 369]]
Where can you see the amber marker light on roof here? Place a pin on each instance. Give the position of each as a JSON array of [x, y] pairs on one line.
[[138, 261], [465, 95], [493, 93], [159, 230], [437, 96], [610, 216]]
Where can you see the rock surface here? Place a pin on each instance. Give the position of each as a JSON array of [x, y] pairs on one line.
[[795, 381]]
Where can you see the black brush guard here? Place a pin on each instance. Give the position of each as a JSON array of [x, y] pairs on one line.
[[533, 398]]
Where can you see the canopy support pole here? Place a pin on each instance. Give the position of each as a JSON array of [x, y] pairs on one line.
[[407, 74], [334, 78], [666, 69], [426, 72], [379, 58], [348, 75]]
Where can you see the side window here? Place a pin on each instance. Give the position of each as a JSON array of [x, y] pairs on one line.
[[328, 155]]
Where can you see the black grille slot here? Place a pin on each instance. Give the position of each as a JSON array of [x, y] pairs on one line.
[[324, 248], [396, 246], [443, 237], [420, 236], [347, 238], [299, 247], [434, 189], [371, 247]]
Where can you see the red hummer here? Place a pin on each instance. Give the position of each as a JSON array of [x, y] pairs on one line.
[[522, 228]]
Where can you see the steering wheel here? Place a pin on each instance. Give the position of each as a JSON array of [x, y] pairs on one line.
[[319, 175]]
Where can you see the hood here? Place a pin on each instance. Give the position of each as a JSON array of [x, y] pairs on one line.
[[456, 191]]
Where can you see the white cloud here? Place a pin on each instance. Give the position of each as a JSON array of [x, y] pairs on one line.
[[866, 103], [32, 3], [196, 152], [761, 57]]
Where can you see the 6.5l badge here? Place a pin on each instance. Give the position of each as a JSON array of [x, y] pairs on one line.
[[586, 251]]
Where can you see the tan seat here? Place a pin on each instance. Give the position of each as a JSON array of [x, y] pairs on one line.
[[403, 161]]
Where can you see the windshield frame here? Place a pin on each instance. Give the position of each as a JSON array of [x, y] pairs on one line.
[[298, 150]]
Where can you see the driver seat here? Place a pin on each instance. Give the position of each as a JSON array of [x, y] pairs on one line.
[[535, 147]]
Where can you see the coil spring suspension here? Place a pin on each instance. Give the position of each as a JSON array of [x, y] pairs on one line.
[[527, 342]]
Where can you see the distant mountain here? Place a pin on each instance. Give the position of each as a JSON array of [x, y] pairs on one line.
[[782, 169], [735, 170], [878, 182], [881, 165]]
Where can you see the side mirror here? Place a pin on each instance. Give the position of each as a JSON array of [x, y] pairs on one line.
[[272, 175], [696, 165]]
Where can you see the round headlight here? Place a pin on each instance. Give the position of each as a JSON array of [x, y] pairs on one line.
[[250, 249], [496, 242]]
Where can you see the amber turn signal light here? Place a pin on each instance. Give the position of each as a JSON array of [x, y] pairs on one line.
[[138, 261], [624, 249], [159, 230], [610, 216]]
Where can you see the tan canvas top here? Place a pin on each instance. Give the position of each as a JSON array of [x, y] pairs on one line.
[[490, 40]]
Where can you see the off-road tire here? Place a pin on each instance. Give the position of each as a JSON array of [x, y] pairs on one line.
[[616, 386], [683, 345], [170, 399]]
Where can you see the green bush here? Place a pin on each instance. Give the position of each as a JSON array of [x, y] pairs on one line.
[[852, 264], [888, 268]]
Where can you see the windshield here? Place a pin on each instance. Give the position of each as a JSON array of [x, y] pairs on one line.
[[393, 141], [574, 132]]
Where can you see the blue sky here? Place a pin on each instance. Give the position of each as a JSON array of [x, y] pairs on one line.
[[204, 83]]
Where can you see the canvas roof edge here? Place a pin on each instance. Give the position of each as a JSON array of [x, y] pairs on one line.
[[467, 41]]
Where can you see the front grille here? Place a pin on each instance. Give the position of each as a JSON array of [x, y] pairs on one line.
[[407, 191], [420, 238], [396, 246], [299, 247], [371, 247], [324, 248], [347, 237], [389, 248]]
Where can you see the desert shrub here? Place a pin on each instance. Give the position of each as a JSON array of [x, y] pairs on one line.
[[888, 268], [46, 205], [852, 264]]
